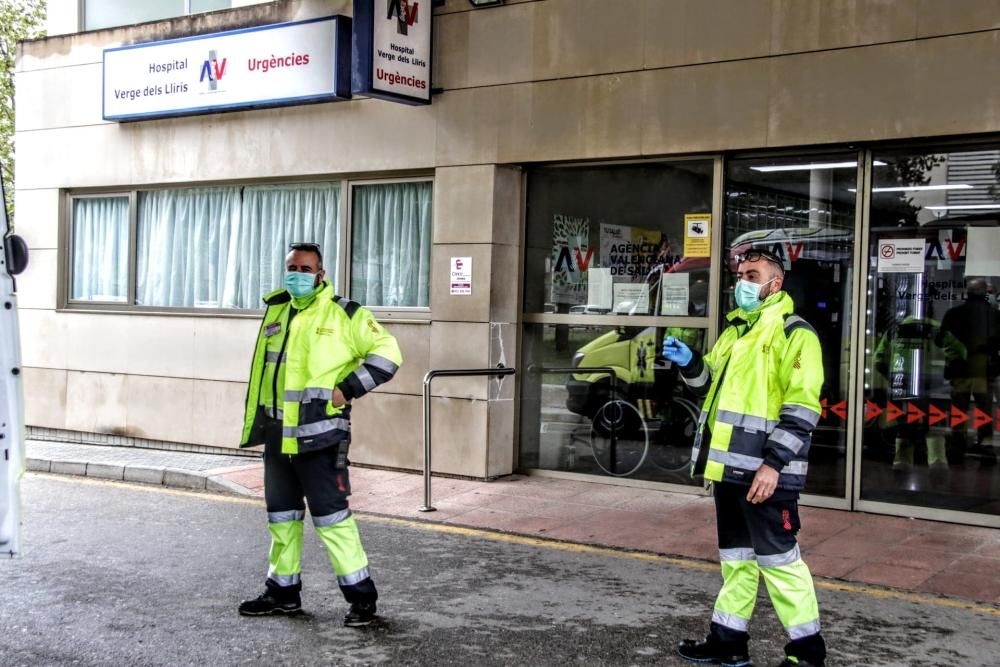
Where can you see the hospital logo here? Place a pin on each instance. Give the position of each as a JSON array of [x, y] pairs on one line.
[[404, 13], [213, 69]]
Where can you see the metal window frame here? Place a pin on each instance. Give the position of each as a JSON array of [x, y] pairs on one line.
[[64, 257], [865, 274], [856, 389], [414, 314], [65, 250], [707, 323], [81, 14], [690, 321], [845, 500]]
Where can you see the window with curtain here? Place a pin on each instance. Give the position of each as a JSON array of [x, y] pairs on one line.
[[204, 247], [273, 216], [391, 244], [99, 231]]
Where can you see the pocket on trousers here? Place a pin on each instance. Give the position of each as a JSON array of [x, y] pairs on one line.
[[340, 461]]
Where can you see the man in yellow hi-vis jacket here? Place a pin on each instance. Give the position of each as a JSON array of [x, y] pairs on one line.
[[761, 383], [315, 353]]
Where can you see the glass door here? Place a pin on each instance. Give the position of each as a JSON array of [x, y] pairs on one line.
[[932, 335], [804, 210]]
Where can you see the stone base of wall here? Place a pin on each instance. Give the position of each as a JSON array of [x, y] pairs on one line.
[[61, 435]]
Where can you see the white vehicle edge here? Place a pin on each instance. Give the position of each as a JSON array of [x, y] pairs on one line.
[[13, 260]]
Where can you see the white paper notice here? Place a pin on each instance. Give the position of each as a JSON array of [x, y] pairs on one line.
[[675, 292], [461, 275], [982, 254], [901, 256], [631, 298], [599, 287]]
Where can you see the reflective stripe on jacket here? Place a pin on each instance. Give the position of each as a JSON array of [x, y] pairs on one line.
[[761, 382], [302, 356]]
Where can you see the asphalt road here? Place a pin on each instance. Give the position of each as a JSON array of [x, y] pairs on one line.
[[117, 574]]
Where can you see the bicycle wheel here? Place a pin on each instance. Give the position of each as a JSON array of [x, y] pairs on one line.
[[619, 440], [672, 449]]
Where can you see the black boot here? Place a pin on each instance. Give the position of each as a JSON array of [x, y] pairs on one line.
[[360, 615], [712, 651], [807, 651], [274, 601], [362, 597]]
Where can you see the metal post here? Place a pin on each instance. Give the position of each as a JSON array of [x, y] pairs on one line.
[[428, 378]]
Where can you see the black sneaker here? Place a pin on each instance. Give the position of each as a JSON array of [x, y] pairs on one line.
[[268, 604], [792, 661], [711, 652], [360, 615]]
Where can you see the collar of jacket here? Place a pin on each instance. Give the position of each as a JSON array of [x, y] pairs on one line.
[[306, 301], [778, 304]]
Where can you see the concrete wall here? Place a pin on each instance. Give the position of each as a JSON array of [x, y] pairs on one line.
[[527, 81]]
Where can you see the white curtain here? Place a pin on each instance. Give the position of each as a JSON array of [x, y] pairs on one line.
[[100, 249], [185, 246], [273, 216], [391, 244], [225, 247]]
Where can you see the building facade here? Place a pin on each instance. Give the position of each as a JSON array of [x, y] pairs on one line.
[[600, 164]]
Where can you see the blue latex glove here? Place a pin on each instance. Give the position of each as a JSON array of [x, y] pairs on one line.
[[676, 351]]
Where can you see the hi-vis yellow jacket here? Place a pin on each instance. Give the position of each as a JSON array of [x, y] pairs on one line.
[[761, 382], [302, 355]]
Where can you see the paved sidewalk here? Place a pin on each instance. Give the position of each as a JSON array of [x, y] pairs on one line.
[[211, 472], [907, 554]]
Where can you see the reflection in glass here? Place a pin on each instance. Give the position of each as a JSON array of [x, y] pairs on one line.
[[619, 240], [803, 211], [933, 331], [637, 422]]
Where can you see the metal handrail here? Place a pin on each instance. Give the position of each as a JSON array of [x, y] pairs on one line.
[[500, 370]]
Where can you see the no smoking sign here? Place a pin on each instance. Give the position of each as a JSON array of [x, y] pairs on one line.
[[901, 256]]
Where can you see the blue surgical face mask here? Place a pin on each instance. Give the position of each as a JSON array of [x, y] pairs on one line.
[[748, 294], [300, 284]]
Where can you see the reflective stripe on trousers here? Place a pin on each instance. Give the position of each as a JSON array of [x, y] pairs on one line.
[[284, 579], [343, 546], [789, 585], [793, 595], [735, 602], [354, 578], [285, 557]]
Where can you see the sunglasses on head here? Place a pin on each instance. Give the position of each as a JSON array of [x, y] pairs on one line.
[[754, 255], [303, 246]]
